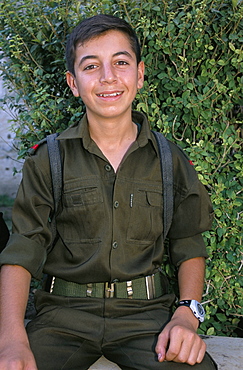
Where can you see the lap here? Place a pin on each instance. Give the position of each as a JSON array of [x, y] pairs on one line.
[[64, 339], [69, 339], [135, 347]]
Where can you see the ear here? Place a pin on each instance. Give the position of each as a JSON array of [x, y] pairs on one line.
[[71, 81], [141, 68]]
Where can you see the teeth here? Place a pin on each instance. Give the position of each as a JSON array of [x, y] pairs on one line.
[[113, 94]]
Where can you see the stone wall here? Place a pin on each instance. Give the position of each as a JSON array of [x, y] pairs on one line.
[[8, 154]]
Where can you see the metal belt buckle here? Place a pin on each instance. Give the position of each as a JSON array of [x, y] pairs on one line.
[[109, 290], [150, 286]]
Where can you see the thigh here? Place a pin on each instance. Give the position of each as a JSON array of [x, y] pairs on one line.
[[136, 348], [126, 359], [142, 360], [66, 339]]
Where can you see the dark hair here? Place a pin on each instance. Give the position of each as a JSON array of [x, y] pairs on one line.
[[95, 26]]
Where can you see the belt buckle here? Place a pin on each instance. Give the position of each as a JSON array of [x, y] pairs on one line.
[[150, 286], [109, 290]]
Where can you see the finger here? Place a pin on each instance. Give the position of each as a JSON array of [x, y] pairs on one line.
[[201, 352], [192, 351], [181, 346], [176, 343], [161, 346], [173, 351]]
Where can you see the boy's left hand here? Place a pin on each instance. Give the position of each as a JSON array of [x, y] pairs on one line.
[[179, 341]]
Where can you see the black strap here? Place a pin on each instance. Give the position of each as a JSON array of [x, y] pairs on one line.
[[166, 164], [56, 175], [166, 171]]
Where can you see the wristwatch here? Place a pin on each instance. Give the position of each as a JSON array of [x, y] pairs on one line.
[[196, 308]]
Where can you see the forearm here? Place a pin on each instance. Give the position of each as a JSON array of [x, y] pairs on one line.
[[179, 341], [14, 291], [191, 278], [191, 281]]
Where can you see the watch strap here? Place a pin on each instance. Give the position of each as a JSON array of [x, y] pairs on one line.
[[195, 306]]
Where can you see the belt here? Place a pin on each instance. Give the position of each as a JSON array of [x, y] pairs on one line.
[[147, 287]]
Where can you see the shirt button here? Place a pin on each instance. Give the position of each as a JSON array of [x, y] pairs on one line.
[[115, 280], [116, 204], [107, 167], [115, 245]]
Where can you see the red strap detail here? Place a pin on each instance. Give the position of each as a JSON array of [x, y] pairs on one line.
[[191, 162], [35, 146]]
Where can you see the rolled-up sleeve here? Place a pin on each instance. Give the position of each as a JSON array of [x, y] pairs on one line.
[[193, 214], [28, 244]]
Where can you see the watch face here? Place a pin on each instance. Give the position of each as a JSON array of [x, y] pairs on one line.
[[200, 309]]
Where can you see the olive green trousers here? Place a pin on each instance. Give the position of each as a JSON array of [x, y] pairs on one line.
[[72, 333]]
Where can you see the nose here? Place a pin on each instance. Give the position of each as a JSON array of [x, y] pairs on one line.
[[108, 74]]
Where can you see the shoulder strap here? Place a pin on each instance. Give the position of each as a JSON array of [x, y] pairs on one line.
[[56, 174], [166, 164]]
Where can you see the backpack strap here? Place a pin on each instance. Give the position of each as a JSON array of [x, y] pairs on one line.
[[56, 176], [166, 164]]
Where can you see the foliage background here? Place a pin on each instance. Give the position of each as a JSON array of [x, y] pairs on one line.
[[193, 93]]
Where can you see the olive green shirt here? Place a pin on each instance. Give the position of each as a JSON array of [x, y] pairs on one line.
[[109, 224]]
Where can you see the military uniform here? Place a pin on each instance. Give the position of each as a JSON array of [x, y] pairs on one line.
[[110, 231]]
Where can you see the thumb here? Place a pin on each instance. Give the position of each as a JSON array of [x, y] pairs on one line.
[[162, 345]]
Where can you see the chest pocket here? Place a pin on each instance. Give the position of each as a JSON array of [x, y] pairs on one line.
[[145, 223], [82, 207], [81, 196]]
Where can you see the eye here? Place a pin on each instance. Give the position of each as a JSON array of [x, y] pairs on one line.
[[122, 63], [90, 66]]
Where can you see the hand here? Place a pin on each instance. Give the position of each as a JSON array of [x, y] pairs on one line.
[[179, 341], [16, 356]]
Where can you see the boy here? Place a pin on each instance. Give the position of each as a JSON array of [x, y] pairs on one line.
[[109, 230]]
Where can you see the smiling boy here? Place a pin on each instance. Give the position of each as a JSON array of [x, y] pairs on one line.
[[110, 230]]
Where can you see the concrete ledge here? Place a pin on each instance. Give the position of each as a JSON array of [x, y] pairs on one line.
[[226, 352]]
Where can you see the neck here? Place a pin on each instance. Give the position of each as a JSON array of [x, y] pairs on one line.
[[113, 138], [114, 130]]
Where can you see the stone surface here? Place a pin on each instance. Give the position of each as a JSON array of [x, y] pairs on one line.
[[227, 352], [104, 364]]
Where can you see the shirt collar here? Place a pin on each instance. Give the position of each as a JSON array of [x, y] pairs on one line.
[[80, 131]]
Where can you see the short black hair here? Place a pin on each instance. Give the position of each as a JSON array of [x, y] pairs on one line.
[[95, 26]]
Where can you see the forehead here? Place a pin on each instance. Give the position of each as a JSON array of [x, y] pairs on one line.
[[112, 40]]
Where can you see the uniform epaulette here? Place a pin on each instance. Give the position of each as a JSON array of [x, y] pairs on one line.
[[34, 148]]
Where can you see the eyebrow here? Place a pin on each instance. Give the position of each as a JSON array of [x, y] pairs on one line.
[[83, 59]]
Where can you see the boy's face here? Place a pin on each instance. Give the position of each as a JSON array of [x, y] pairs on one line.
[[106, 76]]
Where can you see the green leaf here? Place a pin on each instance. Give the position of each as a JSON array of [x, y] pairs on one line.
[[211, 331]]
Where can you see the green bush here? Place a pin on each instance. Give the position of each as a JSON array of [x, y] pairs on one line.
[[193, 93]]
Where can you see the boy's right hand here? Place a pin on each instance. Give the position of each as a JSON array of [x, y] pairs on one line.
[[16, 356]]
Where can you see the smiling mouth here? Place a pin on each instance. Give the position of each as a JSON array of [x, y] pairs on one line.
[[109, 95]]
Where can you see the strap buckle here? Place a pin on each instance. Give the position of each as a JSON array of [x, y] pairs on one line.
[[52, 283], [109, 290], [150, 286], [129, 289]]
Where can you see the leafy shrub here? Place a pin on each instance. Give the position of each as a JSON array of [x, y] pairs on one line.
[[193, 93]]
